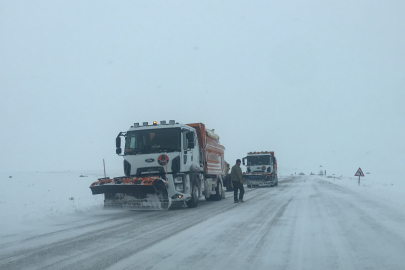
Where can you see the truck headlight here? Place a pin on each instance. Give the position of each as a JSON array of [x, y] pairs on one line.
[[178, 179]]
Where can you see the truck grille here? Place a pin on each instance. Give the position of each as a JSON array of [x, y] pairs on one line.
[[151, 171]]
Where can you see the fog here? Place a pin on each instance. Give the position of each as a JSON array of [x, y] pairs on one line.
[[318, 82]]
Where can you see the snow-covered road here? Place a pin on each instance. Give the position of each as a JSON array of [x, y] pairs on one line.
[[304, 223]]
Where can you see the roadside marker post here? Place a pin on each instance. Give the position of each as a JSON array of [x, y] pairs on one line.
[[359, 173]]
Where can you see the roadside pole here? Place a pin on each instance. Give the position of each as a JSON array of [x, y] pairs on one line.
[[359, 173], [105, 177]]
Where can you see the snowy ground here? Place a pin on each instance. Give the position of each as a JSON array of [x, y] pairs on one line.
[[29, 197], [389, 188], [51, 221]]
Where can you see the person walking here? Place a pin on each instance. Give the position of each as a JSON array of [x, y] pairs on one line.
[[236, 177]]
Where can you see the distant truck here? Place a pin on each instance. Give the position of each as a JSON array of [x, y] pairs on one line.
[[227, 182], [165, 164], [261, 169]]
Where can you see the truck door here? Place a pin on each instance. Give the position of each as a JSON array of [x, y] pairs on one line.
[[188, 155]]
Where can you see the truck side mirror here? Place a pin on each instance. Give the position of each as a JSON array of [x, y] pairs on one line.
[[274, 160], [118, 142], [118, 145], [243, 160], [190, 139]]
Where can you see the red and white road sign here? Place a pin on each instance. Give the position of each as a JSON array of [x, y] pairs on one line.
[[359, 172]]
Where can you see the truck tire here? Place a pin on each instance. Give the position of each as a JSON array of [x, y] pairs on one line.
[[227, 183], [272, 181], [219, 190], [195, 193]]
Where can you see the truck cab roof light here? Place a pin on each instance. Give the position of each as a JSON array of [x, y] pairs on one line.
[[145, 123], [172, 122], [136, 124], [154, 123], [163, 122]]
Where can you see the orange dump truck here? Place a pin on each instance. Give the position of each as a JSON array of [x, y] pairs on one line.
[[165, 164]]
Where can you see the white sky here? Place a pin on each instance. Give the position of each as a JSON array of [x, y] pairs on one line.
[[318, 82]]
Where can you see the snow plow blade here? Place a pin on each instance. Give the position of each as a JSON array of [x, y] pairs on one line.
[[257, 180], [143, 193]]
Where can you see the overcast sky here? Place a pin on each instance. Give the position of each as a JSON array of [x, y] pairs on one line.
[[318, 82]]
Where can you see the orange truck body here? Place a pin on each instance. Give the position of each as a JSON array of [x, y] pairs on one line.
[[212, 151]]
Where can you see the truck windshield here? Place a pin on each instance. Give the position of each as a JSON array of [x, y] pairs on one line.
[[258, 160], [152, 141]]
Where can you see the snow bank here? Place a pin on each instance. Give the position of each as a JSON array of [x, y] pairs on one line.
[[34, 196], [389, 187]]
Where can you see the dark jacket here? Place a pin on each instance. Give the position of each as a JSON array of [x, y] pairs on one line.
[[236, 173]]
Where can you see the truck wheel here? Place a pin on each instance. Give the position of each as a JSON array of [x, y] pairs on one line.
[[195, 193], [227, 183], [272, 181], [229, 186], [219, 190]]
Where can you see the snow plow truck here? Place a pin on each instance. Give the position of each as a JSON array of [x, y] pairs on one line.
[[261, 169], [165, 164]]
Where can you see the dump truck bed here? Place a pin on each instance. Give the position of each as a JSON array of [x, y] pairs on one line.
[[212, 151]]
